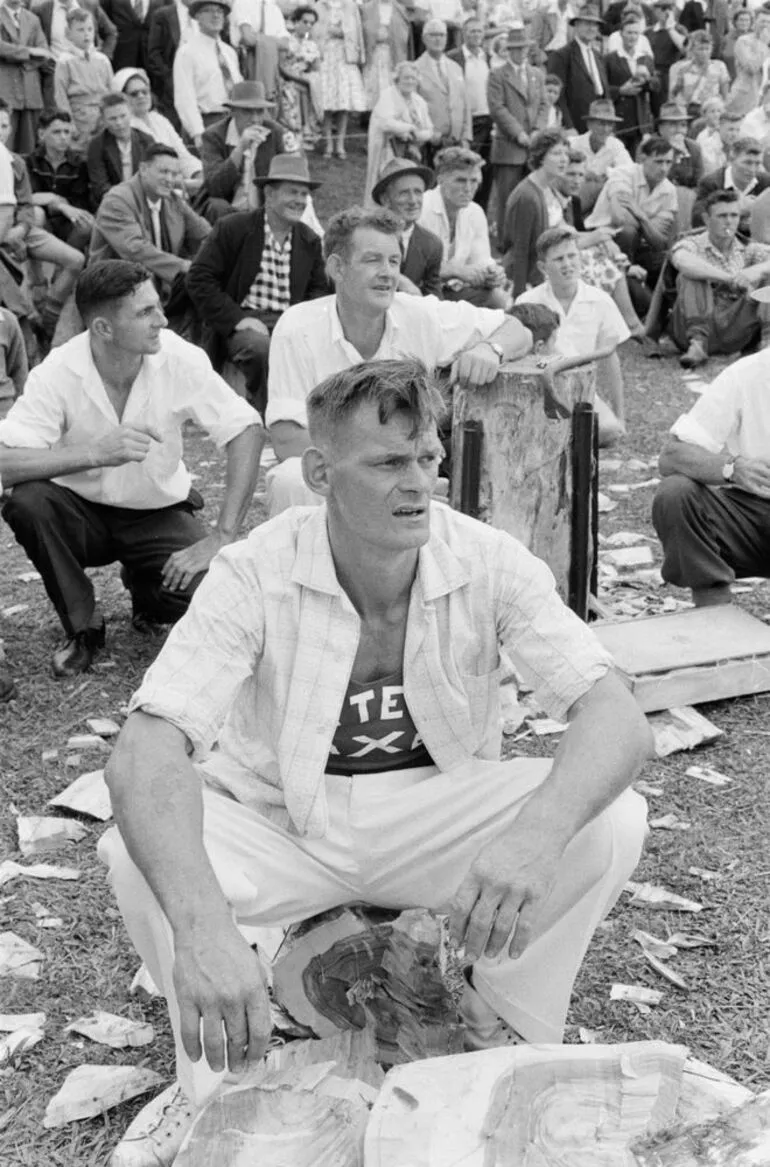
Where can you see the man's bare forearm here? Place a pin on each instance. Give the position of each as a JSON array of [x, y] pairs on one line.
[[243, 455], [514, 338], [158, 808], [18, 465], [695, 268], [692, 461], [601, 753]]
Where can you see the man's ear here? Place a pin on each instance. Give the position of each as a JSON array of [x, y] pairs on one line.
[[315, 470], [101, 327], [541, 269]]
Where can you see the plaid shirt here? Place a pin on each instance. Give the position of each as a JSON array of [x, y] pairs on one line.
[[256, 672], [739, 256], [271, 290]]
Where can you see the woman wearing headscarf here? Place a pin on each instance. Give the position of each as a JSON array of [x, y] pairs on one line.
[[135, 84], [400, 124]]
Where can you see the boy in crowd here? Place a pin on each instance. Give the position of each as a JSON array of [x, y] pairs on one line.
[[82, 77]]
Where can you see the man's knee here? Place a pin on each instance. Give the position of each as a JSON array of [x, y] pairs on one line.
[[32, 504], [215, 209], [677, 498], [248, 344]]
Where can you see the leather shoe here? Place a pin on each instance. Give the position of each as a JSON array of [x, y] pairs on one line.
[[78, 653], [695, 356]]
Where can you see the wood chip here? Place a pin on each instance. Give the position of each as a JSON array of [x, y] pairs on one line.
[[647, 789], [692, 940], [112, 1030], [44, 919], [39, 834], [544, 726], [670, 974], [604, 504], [708, 775], [9, 1022], [623, 539], [669, 822], [681, 728], [638, 994], [143, 982], [87, 795], [18, 958], [648, 895], [29, 577], [49, 755], [103, 726], [628, 558], [15, 610], [86, 741], [18, 1042], [588, 1036], [89, 1090], [9, 870], [703, 873], [662, 949]]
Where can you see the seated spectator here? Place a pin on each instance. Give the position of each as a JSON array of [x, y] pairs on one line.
[[687, 167], [146, 221], [135, 85], [87, 489], [641, 202], [468, 271], [601, 148], [756, 123], [83, 76], [205, 70], [115, 152], [712, 507], [714, 312], [400, 189], [236, 150], [368, 319], [14, 366], [709, 140], [399, 127], [698, 77], [743, 174], [252, 267], [58, 178], [632, 81], [590, 324]]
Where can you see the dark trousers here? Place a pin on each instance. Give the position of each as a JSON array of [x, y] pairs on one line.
[[63, 534], [249, 350], [506, 178], [482, 144], [634, 244], [711, 536], [723, 323]]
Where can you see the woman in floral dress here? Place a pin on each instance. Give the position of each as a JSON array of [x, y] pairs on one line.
[[301, 102], [341, 40]]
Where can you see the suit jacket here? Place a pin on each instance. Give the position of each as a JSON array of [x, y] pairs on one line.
[[103, 161], [542, 30], [227, 265], [577, 87], [634, 109], [106, 32], [422, 262], [447, 103], [133, 32], [163, 41], [716, 181], [515, 109], [401, 30], [221, 176], [20, 81], [123, 230]]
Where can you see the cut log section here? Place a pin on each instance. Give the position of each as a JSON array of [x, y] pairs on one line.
[[353, 966], [740, 1138]]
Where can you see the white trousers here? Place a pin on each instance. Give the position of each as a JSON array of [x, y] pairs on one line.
[[398, 839]]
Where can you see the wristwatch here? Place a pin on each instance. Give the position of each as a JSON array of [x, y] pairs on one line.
[[728, 470], [496, 348]]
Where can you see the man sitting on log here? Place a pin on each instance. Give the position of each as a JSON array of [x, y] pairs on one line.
[[344, 662]]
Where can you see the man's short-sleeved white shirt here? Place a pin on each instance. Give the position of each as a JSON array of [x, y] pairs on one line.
[[734, 412], [471, 236], [308, 344], [65, 404], [592, 322]]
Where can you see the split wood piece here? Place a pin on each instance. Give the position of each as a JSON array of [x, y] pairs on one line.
[[681, 728], [684, 658], [354, 966], [306, 1105], [40, 834], [739, 1138], [112, 1030], [18, 1042], [87, 795], [18, 958], [89, 1090], [525, 482]]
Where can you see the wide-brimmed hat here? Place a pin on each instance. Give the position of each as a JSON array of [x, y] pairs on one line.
[[397, 168], [517, 37], [249, 95], [672, 111], [287, 168], [196, 5], [602, 110], [589, 13]]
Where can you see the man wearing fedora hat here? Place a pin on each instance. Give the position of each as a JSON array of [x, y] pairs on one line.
[[602, 149], [253, 266], [400, 189], [673, 124], [236, 149], [205, 69], [580, 69], [518, 108]]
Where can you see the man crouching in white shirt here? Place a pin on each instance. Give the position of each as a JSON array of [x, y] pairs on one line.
[[92, 452], [367, 319], [377, 617]]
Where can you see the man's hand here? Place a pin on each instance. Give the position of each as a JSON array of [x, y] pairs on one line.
[[252, 323], [501, 898], [254, 135], [753, 475], [75, 215], [523, 139], [181, 568], [476, 366], [637, 272], [125, 443], [219, 981]]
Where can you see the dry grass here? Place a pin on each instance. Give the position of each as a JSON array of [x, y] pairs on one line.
[[89, 962]]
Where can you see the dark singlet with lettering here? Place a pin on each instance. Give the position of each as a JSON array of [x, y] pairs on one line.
[[376, 731]]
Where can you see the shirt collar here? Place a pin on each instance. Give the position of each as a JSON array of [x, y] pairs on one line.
[[338, 336], [729, 183]]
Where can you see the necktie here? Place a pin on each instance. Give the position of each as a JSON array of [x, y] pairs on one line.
[[157, 234], [224, 68], [262, 17], [592, 67]]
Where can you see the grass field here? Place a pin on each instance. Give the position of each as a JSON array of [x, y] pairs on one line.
[[89, 962]]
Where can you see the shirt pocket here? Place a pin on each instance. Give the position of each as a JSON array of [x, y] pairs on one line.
[[483, 704]]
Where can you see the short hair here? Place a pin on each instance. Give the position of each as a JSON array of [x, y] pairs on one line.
[[712, 103], [472, 20], [720, 196], [700, 37], [730, 115], [655, 147], [49, 116], [542, 143], [303, 10], [340, 228], [158, 150], [456, 158], [397, 387], [434, 25], [541, 320], [576, 156], [401, 66], [78, 16], [745, 146], [105, 283], [554, 237], [113, 99], [552, 79]]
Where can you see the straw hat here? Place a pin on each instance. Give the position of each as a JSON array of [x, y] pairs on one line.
[[397, 168]]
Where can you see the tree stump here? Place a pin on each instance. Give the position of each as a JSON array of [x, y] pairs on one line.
[[525, 464]]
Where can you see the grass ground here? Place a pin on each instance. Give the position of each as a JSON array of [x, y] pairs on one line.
[[89, 963]]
